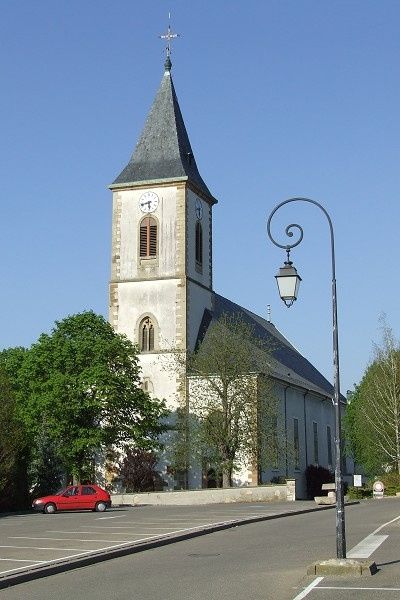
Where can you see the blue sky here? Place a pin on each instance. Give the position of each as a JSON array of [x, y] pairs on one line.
[[280, 98]]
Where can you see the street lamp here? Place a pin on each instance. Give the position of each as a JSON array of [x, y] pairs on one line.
[[288, 283]]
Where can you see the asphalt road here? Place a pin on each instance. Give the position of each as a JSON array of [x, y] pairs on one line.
[[266, 560], [35, 541]]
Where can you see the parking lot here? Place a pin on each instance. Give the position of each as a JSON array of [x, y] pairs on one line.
[[35, 540], [265, 560]]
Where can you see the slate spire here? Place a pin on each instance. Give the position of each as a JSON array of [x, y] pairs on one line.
[[163, 151]]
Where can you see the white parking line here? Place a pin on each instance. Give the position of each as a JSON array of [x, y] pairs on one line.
[[308, 589], [367, 546], [38, 548], [109, 527], [24, 537], [21, 560], [95, 533], [328, 587], [370, 543], [384, 525]]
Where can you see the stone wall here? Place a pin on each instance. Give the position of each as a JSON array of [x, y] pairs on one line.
[[270, 493]]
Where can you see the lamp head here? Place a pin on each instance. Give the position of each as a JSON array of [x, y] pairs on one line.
[[288, 281]]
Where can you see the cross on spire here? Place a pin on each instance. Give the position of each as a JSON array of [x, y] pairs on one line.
[[168, 36]]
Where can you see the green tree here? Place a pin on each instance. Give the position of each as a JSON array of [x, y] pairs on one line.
[[231, 411], [83, 381], [372, 421], [46, 471], [13, 449]]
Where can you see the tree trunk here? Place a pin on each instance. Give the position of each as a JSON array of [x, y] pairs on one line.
[[226, 478]]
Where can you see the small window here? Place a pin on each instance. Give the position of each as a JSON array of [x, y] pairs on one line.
[[199, 244], [148, 238], [296, 443], [329, 444], [72, 491], [315, 430], [146, 335], [87, 490], [147, 385], [275, 445]]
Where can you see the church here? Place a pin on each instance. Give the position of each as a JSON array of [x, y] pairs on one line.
[[162, 296]]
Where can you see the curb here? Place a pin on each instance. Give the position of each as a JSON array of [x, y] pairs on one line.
[[93, 557]]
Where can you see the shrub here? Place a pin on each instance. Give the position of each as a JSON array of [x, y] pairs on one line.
[[278, 480], [358, 493], [391, 481], [138, 473], [315, 477]]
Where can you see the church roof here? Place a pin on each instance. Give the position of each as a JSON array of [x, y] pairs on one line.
[[288, 364], [163, 151]]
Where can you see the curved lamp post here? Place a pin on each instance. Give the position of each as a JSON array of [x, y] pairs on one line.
[[288, 284]]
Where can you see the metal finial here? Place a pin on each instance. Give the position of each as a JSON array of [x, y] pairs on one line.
[[168, 36]]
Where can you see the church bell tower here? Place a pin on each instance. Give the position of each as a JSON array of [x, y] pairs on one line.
[[161, 273]]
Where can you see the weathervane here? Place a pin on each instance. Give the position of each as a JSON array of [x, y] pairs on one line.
[[169, 36]]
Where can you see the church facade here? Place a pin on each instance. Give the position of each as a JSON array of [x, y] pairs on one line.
[[161, 290]]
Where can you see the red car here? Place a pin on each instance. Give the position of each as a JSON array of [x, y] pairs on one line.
[[75, 497]]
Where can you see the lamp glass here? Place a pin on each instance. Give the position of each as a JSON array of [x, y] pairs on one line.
[[288, 282]]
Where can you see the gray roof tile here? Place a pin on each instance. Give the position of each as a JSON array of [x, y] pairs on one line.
[[163, 150]]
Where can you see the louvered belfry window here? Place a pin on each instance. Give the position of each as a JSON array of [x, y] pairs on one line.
[[148, 238], [146, 335], [199, 244]]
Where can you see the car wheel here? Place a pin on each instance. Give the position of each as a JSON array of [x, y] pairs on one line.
[[50, 508], [100, 507]]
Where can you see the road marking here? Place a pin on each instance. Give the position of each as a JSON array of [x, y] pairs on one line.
[[24, 537], [384, 525], [21, 560], [308, 589], [367, 546], [109, 527], [362, 550], [38, 548], [96, 533], [328, 587], [102, 518], [155, 521]]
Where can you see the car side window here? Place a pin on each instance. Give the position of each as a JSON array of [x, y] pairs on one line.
[[87, 490]]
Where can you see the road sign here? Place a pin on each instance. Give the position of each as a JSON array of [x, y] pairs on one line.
[[377, 489]]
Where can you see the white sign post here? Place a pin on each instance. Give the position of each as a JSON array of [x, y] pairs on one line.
[[357, 481]]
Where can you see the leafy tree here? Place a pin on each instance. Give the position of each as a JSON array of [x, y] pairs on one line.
[[372, 421], [11, 361], [13, 450], [82, 381], [233, 412], [46, 471]]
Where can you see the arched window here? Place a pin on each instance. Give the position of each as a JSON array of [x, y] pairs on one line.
[[147, 385], [148, 238], [199, 244], [146, 335]]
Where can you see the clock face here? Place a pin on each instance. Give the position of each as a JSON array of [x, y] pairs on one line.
[[199, 209], [148, 202]]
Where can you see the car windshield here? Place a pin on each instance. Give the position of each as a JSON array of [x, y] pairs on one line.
[[61, 491]]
